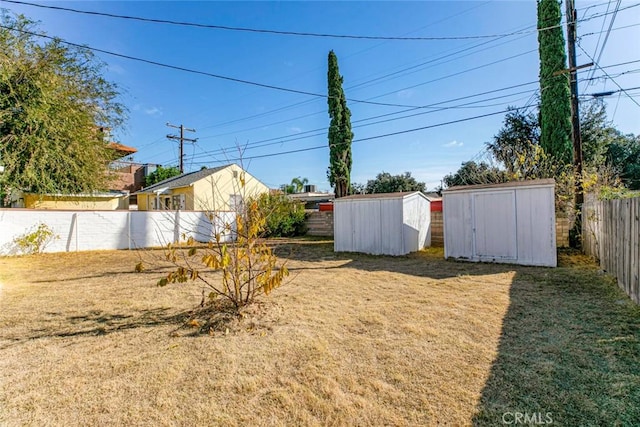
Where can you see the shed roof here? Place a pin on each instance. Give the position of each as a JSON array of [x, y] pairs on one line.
[[398, 195], [182, 180], [529, 183]]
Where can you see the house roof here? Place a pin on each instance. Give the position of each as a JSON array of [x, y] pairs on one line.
[[311, 196], [400, 194], [183, 180], [99, 194], [122, 150]]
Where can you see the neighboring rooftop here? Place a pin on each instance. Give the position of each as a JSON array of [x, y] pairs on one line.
[[311, 196], [183, 180], [122, 150], [532, 182]]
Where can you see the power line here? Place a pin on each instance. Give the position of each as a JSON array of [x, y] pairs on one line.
[[394, 91], [204, 73], [609, 92], [610, 78], [433, 105], [378, 136], [237, 80], [430, 24], [359, 85], [261, 30], [606, 37], [322, 131], [281, 32]]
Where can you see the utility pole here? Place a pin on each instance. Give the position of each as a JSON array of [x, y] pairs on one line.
[[182, 139], [576, 137]]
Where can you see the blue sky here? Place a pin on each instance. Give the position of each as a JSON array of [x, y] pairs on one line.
[[226, 114]]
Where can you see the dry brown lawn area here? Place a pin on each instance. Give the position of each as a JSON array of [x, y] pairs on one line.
[[351, 340]]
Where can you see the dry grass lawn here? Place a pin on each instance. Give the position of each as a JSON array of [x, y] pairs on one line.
[[351, 340]]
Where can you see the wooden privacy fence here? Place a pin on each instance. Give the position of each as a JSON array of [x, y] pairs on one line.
[[611, 234]]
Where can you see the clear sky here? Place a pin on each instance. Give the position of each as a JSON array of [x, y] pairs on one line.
[[451, 73]]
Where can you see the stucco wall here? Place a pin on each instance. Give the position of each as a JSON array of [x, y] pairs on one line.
[[94, 230]]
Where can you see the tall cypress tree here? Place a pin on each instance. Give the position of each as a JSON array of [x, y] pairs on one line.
[[555, 104], [340, 135]]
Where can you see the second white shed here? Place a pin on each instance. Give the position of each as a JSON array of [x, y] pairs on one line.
[[382, 224], [513, 222]]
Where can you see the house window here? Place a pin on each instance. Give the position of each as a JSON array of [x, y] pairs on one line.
[[179, 202], [235, 202]]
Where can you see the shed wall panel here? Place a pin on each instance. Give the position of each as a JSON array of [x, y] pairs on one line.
[[458, 226], [377, 225], [343, 228], [495, 225], [501, 223], [367, 233], [390, 226], [536, 226], [416, 213]]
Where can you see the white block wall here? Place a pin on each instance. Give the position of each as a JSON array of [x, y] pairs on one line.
[[96, 230]]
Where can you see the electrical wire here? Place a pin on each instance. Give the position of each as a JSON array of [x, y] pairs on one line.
[[280, 32], [204, 73], [606, 37], [323, 130], [608, 76], [261, 30], [378, 136]]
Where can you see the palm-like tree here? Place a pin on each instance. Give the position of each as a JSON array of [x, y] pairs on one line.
[[297, 184]]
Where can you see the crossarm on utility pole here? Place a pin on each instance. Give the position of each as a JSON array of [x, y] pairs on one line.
[[182, 140]]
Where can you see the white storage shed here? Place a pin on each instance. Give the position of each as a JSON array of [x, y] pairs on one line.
[[514, 222], [382, 224]]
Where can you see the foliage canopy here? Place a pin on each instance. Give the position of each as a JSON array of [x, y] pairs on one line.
[[283, 217], [54, 102], [340, 135], [160, 174], [387, 183], [555, 96]]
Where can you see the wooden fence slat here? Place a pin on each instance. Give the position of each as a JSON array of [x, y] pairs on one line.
[[611, 231]]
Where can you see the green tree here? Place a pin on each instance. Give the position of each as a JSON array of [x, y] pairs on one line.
[[555, 97], [284, 217], [609, 156], [387, 183], [160, 174], [340, 135], [357, 188], [623, 156], [53, 101], [517, 144], [296, 186], [471, 173]]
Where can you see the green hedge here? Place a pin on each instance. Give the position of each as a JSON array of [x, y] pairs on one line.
[[285, 217]]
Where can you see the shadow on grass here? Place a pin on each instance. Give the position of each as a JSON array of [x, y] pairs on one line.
[[569, 350], [152, 271], [98, 323], [429, 263], [569, 353]]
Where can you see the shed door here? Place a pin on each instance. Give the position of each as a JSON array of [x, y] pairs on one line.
[[495, 225]]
